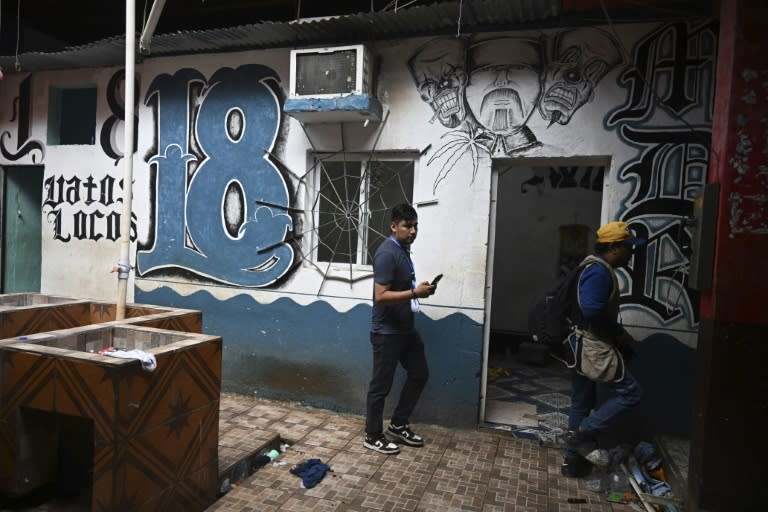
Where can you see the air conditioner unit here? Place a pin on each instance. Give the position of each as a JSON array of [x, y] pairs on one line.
[[331, 72]]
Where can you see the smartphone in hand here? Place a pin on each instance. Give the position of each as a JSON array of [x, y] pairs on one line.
[[436, 280]]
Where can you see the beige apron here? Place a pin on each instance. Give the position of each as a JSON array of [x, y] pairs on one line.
[[595, 355]]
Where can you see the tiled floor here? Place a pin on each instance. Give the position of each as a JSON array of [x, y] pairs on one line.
[[530, 400], [481, 470], [458, 470]]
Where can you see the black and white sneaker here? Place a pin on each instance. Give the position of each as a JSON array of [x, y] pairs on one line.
[[380, 444], [404, 434]]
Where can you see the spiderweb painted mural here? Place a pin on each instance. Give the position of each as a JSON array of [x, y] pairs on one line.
[[351, 195]]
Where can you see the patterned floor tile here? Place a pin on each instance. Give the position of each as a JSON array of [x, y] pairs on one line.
[[333, 437], [456, 471], [467, 470], [357, 465], [556, 383], [555, 419], [297, 503], [510, 398], [303, 451], [557, 401], [444, 501], [466, 485], [338, 487]]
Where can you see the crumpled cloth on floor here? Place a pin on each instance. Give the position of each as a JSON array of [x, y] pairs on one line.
[[310, 471], [148, 361]]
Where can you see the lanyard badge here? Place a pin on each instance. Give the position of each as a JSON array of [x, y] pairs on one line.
[[415, 306]]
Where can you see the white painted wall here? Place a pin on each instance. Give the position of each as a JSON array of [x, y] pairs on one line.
[[453, 229]]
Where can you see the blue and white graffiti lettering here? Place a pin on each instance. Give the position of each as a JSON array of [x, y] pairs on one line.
[[221, 206]]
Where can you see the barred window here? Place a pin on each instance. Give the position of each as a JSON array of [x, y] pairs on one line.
[[353, 203]]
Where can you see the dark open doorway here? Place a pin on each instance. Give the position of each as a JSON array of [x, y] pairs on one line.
[[543, 224]]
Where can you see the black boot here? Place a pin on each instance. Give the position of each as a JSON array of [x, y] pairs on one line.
[[585, 444], [575, 466]]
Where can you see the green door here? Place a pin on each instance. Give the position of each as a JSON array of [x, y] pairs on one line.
[[22, 229]]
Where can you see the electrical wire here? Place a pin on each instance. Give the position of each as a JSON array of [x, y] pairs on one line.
[[144, 16], [684, 271], [409, 3], [458, 29], [17, 64], [1, 33], [397, 5]]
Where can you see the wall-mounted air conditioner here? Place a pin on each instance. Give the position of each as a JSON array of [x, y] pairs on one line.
[[331, 72]]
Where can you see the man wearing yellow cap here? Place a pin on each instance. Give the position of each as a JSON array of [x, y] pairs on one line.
[[597, 344]]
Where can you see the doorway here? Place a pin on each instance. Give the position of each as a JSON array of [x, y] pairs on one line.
[[543, 221], [22, 193]]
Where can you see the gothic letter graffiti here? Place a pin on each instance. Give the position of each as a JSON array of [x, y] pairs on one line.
[[23, 102]]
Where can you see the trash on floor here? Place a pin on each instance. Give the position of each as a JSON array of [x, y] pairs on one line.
[[260, 461], [497, 373], [247, 466], [635, 476], [279, 463]]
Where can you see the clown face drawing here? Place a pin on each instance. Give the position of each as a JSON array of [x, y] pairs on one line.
[[582, 57], [438, 70]]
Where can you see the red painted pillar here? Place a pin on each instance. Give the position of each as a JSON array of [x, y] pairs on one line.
[[729, 459]]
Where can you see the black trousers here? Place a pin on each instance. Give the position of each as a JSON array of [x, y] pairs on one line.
[[388, 351]]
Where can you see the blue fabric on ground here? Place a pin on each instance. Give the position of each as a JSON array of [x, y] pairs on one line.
[[310, 471]]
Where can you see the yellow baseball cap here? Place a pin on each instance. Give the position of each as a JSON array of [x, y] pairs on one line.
[[617, 232]]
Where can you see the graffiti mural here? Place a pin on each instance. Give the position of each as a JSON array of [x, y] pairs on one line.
[[580, 58], [84, 209], [220, 206], [502, 96], [108, 134], [439, 71], [486, 91], [88, 208], [22, 108], [587, 177], [671, 76]]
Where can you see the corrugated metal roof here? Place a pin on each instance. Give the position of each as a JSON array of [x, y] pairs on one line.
[[416, 20]]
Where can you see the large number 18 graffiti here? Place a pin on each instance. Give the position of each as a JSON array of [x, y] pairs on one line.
[[220, 206]]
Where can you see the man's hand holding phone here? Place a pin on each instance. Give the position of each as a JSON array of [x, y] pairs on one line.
[[425, 289], [433, 284]]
